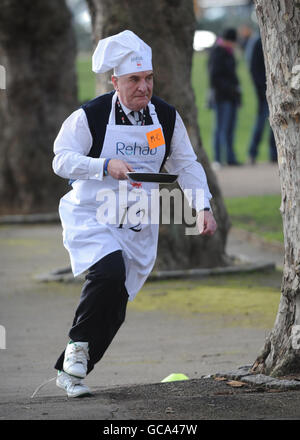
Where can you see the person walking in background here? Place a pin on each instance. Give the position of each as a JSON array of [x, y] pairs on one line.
[[245, 33], [225, 96], [258, 73]]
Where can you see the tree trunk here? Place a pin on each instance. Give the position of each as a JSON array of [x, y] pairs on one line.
[[37, 49], [279, 23], [168, 27]]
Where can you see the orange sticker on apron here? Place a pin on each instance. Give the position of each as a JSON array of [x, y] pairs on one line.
[[155, 138]]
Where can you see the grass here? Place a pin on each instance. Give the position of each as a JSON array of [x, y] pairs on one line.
[[86, 78], [228, 301], [244, 300], [257, 214]]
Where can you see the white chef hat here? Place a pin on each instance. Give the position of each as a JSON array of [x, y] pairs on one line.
[[124, 52]]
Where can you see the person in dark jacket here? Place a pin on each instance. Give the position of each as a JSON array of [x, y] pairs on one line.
[[258, 74], [225, 96]]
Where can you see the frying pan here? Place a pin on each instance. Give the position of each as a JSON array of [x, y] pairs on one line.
[[152, 177]]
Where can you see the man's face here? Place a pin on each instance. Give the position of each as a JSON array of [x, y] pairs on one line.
[[135, 89], [229, 43]]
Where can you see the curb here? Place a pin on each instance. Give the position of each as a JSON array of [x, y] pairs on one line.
[[18, 219], [254, 238], [66, 275], [244, 374]]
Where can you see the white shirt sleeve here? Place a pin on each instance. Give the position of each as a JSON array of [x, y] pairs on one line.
[[71, 148], [183, 161]]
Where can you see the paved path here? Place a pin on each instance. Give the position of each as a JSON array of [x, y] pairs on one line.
[[246, 180]]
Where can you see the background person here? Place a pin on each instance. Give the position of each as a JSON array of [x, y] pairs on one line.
[[225, 96], [258, 73]]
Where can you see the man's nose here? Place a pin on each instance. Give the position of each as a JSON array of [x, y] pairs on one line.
[[143, 85]]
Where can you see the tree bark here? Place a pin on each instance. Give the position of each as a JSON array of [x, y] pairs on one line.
[[168, 27], [37, 49], [279, 22]]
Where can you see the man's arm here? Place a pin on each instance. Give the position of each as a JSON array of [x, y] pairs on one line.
[[191, 176], [206, 223], [183, 161], [71, 149], [118, 169]]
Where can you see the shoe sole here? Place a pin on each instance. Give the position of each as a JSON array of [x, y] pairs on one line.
[[74, 375], [84, 394], [87, 394]]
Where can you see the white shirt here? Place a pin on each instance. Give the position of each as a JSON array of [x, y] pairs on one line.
[[127, 112], [74, 142]]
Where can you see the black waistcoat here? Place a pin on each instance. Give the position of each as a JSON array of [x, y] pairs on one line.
[[98, 110]]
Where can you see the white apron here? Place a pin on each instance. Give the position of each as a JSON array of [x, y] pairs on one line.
[[86, 236]]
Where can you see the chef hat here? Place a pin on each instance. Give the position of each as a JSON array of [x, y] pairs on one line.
[[124, 52]]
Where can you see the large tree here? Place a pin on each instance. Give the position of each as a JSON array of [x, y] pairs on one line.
[[279, 22], [37, 49], [168, 27]]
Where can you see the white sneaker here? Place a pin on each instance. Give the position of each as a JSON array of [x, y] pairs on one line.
[[76, 357], [72, 385]]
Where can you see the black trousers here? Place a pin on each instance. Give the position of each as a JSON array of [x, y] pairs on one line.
[[102, 308]]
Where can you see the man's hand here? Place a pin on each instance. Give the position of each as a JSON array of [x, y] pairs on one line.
[[118, 169], [206, 223]]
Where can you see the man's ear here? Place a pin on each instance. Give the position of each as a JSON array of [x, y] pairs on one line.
[[114, 80]]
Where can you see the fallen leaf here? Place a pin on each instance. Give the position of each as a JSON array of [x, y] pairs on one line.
[[220, 378], [235, 383]]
